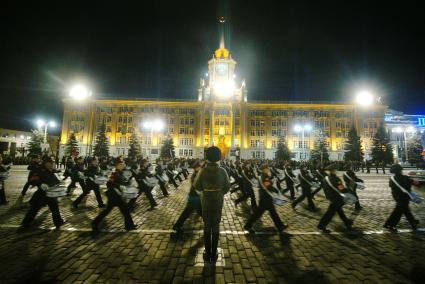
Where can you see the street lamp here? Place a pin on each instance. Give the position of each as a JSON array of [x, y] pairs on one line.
[[303, 128], [41, 123], [79, 92], [156, 125], [364, 98], [400, 130]]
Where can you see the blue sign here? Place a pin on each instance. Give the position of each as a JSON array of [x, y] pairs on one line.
[[421, 121]]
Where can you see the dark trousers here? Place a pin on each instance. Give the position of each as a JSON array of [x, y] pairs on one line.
[[148, 192], [172, 180], [25, 188], [332, 209], [316, 191], [38, 200], [306, 193], [291, 191], [2, 194], [185, 173], [400, 209], [193, 204], [115, 200], [263, 206], [163, 188], [357, 204], [247, 192], [179, 177], [86, 191]]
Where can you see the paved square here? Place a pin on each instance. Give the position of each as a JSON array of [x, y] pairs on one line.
[[153, 254]]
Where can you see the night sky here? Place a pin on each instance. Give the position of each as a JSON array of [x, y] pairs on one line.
[[286, 50]]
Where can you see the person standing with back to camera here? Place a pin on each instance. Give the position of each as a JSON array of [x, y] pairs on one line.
[[212, 183]]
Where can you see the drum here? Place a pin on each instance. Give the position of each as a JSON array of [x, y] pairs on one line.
[[415, 198], [56, 191], [349, 198], [315, 186], [165, 177], [130, 192], [100, 180], [151, 181], [360, 185], [4, 175]]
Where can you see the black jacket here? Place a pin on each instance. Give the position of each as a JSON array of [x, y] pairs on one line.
[[398, 194]]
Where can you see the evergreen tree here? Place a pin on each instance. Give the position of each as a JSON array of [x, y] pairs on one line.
[[414, 149], [283, 153], [135, 149], [34, 145], [101, 149], [382, 149], [167, 148], [71, 145], [353, 147], [320, 152]]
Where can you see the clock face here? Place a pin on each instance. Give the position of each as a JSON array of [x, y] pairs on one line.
[[221, 69]]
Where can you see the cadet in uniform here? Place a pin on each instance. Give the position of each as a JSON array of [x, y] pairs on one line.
[[3, 170], [351, 180], [114, 192], [90, 173], [290, 181], [401, 198], [332, 185], [45, 179], [193, 200], [305, 181], [247, 190], [77, 172], [212, 183], [266, 202], [33, 167]]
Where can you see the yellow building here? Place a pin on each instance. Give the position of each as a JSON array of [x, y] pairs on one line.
[[222, 116]]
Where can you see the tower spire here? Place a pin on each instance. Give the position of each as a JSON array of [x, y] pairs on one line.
[[221, 20]]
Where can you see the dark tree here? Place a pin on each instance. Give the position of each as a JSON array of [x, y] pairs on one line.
[[382, 149], [71, 145], [320, 152], [414, 149], [167, 148], [135, 149], [353, 147], [34, 145], [101, 149], [283, 153]]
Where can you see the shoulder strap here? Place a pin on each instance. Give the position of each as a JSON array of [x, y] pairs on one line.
[[286, 174], [399, 186], [333, 187], [309, 183], [345, 174]]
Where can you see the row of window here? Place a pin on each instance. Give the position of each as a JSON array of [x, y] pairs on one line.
[[301, 113]]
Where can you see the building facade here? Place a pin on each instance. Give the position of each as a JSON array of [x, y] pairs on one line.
[[222, 115], [401, 127]]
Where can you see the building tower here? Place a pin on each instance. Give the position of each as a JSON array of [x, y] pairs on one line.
[[224, 98]]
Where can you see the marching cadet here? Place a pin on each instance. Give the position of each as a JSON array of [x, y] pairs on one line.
[[4, 173], [290, 182], [275, 175], [90, 173], [141, 175], [33, 168], [247, 190], [77, 174], [306, 181], [193, 200], [333, 187], [115, 185], [320, 174], [351, 180], [170, 174], [401, 186], [266, 202], [212, 183], [159, 171], [46, 178]]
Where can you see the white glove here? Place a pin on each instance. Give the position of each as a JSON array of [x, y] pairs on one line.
[[122, 187], [44, 186]]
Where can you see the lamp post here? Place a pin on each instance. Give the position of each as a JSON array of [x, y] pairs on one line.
[[152, 126], [400, 130], [41, 123], [301, 129], [80, 93]]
